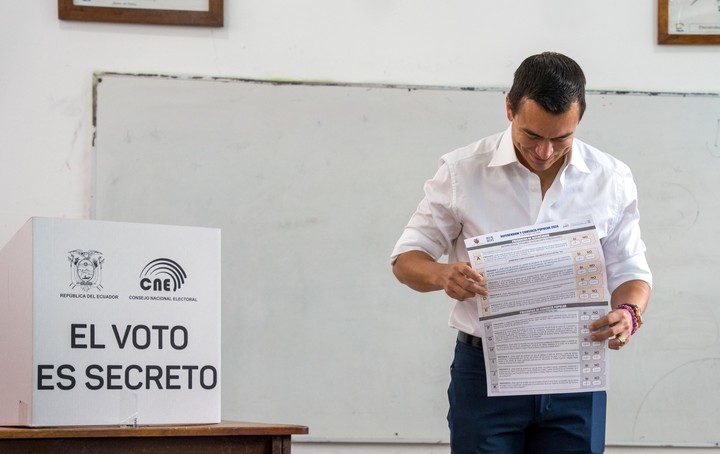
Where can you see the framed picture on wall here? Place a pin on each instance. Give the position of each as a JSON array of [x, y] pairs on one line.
[[208, 13], [688, 21]]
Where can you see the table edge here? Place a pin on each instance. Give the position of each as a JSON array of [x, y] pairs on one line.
[[223, 428]]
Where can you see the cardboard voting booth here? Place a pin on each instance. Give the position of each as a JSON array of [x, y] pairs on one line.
[[107, 323]]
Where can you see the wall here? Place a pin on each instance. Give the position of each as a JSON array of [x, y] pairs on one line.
[[45, 84], [46, 81]]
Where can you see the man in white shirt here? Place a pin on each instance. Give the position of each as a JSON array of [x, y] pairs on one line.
[[536, 171]]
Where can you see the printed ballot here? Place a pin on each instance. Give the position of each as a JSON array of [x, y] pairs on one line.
[[546, 284]]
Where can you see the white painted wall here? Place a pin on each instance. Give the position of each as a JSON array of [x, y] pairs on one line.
[[47, 66]]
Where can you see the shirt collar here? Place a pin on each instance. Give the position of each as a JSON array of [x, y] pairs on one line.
[[576, 159], [505, 154]]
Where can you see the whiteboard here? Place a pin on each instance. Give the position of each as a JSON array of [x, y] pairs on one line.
[[312, 184]]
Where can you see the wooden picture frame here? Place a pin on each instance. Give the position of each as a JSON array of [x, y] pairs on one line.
[[74, 10], [667, 16]]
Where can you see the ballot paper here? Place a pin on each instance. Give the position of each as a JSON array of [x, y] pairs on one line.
[[546, 284]]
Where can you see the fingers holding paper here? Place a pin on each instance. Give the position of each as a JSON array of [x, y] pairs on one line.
[[461, 282], [421, 272], [616, 327]]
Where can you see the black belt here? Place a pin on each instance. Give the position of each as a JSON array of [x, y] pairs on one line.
[[466, 338]]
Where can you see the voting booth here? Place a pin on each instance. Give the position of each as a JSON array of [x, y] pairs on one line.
[[107, 323]]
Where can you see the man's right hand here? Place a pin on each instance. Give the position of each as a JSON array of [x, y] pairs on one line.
[[461, 282], [419, 271]]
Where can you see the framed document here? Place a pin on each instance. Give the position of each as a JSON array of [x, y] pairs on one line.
[[688, 21], [207, 13]]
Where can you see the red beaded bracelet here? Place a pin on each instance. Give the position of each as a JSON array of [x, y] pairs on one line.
[[631, 310]]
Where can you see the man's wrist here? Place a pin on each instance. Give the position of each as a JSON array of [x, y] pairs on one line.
[[636, 314]]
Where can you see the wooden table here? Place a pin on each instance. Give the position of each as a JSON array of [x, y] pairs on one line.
[[225, 437]]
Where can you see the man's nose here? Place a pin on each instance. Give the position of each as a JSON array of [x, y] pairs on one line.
[[544, 149]]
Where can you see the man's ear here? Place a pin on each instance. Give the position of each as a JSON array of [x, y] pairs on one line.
[[508, 109]]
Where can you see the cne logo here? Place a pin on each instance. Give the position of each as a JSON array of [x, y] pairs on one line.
[[162, 275], [85, 269]]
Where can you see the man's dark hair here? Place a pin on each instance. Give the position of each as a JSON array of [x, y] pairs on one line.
[[550, 79]]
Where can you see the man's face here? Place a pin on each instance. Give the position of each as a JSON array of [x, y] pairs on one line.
[[542, 139]]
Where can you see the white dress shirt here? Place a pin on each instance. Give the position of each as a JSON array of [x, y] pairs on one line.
[[483, 188]]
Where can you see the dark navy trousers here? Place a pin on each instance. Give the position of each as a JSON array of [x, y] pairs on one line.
[[539, 424]]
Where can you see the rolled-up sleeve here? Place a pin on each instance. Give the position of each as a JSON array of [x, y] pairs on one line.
[[434, 225], [623, 247]]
